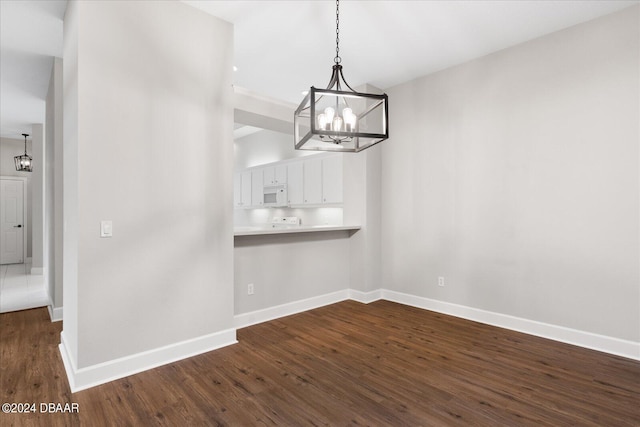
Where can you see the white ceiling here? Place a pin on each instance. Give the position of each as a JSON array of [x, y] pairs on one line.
[[284, 47]]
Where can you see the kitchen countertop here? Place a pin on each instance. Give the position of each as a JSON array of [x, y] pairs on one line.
[[267, 230]]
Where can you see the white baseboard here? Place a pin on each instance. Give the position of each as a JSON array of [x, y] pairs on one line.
[[624, 348], [80, 379], [39, 271], [271, 313], [91, 376], [55, 313], [365, 297]]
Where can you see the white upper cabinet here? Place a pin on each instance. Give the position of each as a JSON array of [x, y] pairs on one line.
[[295, 189], [332, 179], [237, 189], [257, 187], [268, 175], [275, 175], [242, 189], [246, 189], [312, 181], [281, 174]]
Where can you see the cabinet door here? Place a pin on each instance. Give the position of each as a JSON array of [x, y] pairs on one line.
[[332, 179], [257, 188], [295, 188], [312, 181], [237, 189], [268, 175], [245, 189], [280, 174]]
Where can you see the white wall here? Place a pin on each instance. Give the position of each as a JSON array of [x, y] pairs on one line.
[[37, 198], [9, 148], [53, 186], [264, 146], [362, 206], [70, 161], [146, 83], [289, 267], [516, 177], [362, 176]]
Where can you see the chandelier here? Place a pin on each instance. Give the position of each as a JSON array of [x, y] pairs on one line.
[[339, 118], [24, 162]]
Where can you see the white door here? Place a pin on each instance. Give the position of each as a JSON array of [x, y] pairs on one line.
[[11, 221]]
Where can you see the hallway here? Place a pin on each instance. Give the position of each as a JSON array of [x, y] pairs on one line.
[[20, 290]]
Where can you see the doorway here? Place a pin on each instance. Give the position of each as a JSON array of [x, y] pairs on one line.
[[19, 290], [13, 224]]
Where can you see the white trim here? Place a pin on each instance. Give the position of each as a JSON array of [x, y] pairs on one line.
[[55, 313], [365, 297], [624, 348], [254, 317], [611, 345], [91, 376], [24, 180], [37, 271], [246, 92], [80, 379]]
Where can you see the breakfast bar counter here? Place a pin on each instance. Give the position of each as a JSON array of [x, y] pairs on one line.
[[270, 230]]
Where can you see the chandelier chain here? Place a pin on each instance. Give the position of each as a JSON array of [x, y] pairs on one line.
[[337, 59]]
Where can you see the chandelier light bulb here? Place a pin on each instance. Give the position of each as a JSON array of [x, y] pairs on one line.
[[349, 119], [322, 122], [329, 113], [336, 125]]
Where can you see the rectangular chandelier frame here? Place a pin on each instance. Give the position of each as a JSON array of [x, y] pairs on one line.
[[308, 136]]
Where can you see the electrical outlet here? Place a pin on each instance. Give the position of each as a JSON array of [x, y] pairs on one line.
[[250, 289], [441, 281]]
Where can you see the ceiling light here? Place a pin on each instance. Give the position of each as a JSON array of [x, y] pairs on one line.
[[235, 68], [337, 119], [24, 163]]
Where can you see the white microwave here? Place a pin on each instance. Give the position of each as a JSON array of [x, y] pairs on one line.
[[275, 195]]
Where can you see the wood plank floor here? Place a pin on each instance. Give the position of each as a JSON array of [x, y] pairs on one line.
[[381, 364]]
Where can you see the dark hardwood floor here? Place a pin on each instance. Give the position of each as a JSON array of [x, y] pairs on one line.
[[381, 364]]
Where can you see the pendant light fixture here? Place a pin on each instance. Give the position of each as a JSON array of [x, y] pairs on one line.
[[338, 118], [24, 162]]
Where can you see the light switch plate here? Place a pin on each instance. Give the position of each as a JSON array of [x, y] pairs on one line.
[[106, 228]]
